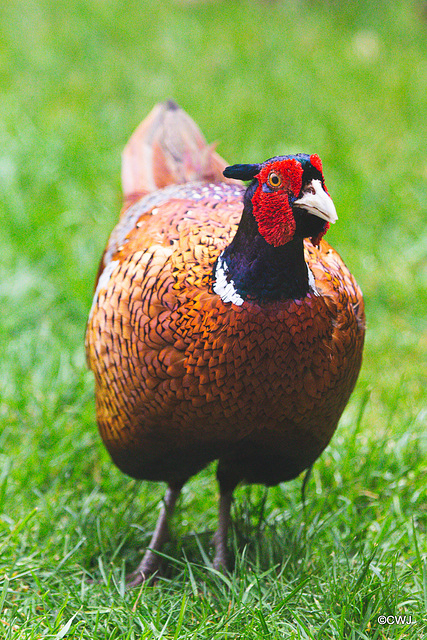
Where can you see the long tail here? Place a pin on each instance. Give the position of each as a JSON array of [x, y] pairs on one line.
[[167, 148]]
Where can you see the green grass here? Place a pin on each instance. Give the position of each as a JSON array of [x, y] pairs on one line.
[[344, 80]]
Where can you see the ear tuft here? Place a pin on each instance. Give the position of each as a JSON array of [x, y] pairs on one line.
[[242, 171]]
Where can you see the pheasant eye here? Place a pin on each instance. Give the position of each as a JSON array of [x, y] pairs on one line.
[[274, 180]]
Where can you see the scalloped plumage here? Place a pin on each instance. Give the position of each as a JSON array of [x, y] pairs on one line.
[[182, 377]]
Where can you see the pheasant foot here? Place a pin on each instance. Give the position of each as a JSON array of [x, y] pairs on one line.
[[150, 562], [220, 536]]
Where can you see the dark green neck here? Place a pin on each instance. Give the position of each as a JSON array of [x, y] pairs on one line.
[[260, 271]]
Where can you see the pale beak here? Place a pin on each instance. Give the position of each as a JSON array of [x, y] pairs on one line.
[[316, 201]]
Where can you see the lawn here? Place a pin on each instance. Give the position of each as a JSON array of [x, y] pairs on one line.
[[344, 80]]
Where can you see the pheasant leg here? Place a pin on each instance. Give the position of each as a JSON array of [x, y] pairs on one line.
[[151, 560], [220, 536]]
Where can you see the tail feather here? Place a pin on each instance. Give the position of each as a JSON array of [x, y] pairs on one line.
[[167, 148]]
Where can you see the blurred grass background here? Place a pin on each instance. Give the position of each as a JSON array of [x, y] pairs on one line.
[[346, 81]]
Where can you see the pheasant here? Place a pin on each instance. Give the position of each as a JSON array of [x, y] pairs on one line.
[[223, 327]]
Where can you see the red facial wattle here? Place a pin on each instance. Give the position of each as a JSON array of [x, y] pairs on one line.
[[317, 164], [272, 209], [316, 241]]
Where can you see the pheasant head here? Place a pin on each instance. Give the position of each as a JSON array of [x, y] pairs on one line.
[[288, 197]]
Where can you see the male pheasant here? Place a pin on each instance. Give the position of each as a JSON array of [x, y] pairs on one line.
[[223, 326]]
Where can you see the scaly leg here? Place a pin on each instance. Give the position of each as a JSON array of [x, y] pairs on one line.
[[151, 560], [220, 536]]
